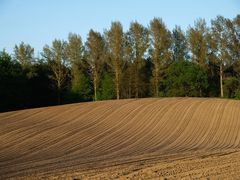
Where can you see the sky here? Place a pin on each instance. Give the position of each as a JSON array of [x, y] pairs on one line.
[[39, 22]]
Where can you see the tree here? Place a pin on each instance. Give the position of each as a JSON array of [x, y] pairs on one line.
[[127, 76], [24, 53], [139, 40], [42, 94], [74, 54], [115, 39], [81, 91], [179, 45], [197, 39], [96, 47], [56, 58], [235, 43], [185, 78], [107, 90], [219, 47], [14, 92], [161, 41], [231, 86]]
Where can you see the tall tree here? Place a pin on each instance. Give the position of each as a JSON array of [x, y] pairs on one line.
[[139, 40], [197, 39], [115, 39], [219, 46], [96, 47], [74, 54], [179, 44], [235, 42], [56, 58], [161, 41], [127, 76], [24, 53]]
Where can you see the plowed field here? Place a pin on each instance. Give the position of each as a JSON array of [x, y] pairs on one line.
[[146, 138]]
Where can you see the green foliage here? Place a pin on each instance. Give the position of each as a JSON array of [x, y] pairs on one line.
[[142, 62], [197, 39], [8, 67], [115, 42], [24, 53], [237, 94], [107, 87], [74, 54], [160, 52], [138, 39], [231, 87], [96, 51], [179, 45], [82, 90], [41, 93], [13, 83], [185, 78], [57, 61]]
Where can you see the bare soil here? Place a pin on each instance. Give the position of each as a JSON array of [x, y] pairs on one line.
[[167, 138]]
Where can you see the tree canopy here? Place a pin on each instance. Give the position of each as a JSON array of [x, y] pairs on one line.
[[152, 61]]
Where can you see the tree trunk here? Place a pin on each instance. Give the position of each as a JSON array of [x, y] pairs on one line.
[[95, 88], [221, 79], [136, 84], [59, 92], [130, 86], [117, 84], [95, 84], [156, 81], [156, 88]]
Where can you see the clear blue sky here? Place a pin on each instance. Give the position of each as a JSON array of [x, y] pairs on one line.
[[38, 22]]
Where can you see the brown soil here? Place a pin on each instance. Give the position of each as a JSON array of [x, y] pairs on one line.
[[151, 138]]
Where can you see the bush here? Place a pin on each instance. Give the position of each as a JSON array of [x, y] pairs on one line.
[[184, 78]]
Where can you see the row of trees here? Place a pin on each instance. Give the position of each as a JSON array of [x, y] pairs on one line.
[[142, 62]]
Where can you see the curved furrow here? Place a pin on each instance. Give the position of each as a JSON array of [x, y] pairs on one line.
[[191, 132], [124, 136], [47, 119], [39, 117], [133, 130], [61, 135], [200, 127], [236, 132], [29, 131], [103, 136], [139, 148], [227, 121], [57, 131], [37, 128], [216, 139], [159, 134], [209, 137], [87, 135], [228, 128], [211, 121], [180, 129], [237, 136], [8, 117], [167, 125], [147, 137], [79, 133], [10, 124]]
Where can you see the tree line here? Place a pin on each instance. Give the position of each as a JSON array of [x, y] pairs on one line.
[[148, 61]]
